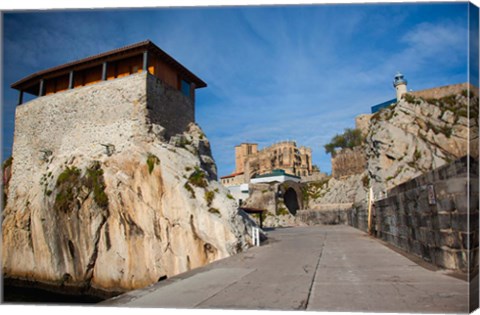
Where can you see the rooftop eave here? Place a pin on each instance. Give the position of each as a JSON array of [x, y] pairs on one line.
[[98, 59]]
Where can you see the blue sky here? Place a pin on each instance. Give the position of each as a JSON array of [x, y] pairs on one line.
[[299, 72]]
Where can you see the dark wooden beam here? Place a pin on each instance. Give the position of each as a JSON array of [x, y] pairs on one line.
[[70, 80], [104, 71], [40, 90], [145, 60], [20, 98]]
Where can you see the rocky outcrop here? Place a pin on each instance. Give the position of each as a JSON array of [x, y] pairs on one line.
[[405, 140], [415, 136], [116, 217], [336, 192]]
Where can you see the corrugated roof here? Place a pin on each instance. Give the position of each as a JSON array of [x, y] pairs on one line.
[[147, 44]]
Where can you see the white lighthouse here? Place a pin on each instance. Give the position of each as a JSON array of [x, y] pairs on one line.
[[400, 85]]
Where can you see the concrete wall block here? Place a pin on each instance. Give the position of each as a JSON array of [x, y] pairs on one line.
[[445, 204], [425, 221], [447, 238], [468, 239], [473, 221], [460, 222], [446, 258], [462, 203], [456, 185], [462, 260], [473, 259], [422, 235], [400, 242], [416, 248], [403, 231], [442, 221], [426, 252]]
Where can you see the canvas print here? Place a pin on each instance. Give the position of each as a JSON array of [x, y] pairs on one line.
[[315, 157]]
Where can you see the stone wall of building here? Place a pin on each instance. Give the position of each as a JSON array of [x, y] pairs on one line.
[[348, 162], [362, 122], [441, 91], [314, 177], [168, 108], [433, 216], [81, 121], [233, 180], [323, 217], [283, 155]]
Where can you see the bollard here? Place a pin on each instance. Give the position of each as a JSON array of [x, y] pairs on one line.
[[255, 236]]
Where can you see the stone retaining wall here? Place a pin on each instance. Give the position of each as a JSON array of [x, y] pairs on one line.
[[348, 162], [434, 216], [328, 217], [441, 91]]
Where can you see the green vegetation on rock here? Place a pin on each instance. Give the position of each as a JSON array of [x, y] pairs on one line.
[[94, 181], [209, 196], [214, 211], [349, 139], [70, 183], [197, 178], [282, 211], [190, 189], [152, 160]]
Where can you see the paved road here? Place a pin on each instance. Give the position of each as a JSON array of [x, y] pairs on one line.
[[322, 268]]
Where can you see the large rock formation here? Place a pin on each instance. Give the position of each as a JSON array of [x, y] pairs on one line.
[[336, 193], [405, 140], [117, 217], [418, 135]]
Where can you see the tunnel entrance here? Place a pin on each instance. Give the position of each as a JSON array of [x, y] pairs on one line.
[[291, 200]]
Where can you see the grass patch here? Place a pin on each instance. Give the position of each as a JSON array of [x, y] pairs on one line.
[[152, 160], [209, 196], [365, 181], [229, 196], [197, 178], [94, 181], [214, 211], [282, 211], [68, 183], [189, 189], [409, 98]]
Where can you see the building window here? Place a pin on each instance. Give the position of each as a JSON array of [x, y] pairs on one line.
[[185, 88]]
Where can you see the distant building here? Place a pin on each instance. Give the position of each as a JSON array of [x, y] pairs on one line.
[[279, 162], [275, 176], [169, 87], [285, 156]]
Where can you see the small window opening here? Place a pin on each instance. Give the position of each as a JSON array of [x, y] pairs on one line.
[[185, 88]]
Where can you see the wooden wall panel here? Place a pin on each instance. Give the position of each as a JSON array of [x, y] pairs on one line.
[[166, 73], [49, 86], [93, 75]]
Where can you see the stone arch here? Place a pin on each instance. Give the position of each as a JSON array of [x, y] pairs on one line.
[[292, 196], [291, 201]]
